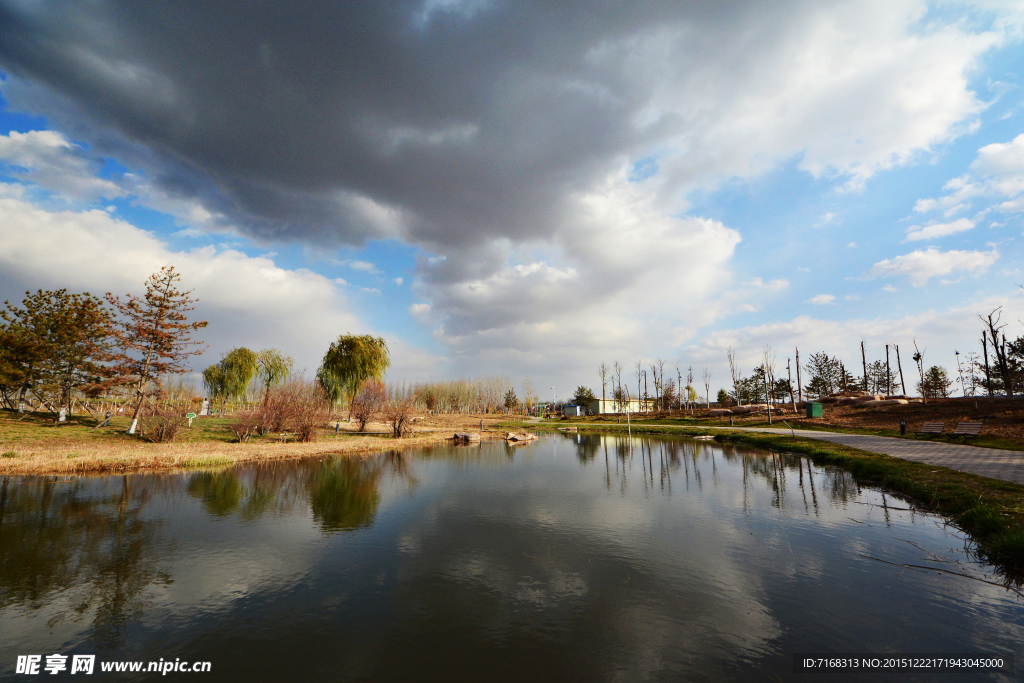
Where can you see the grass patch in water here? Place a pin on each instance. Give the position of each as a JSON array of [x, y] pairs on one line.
[[210, 461]]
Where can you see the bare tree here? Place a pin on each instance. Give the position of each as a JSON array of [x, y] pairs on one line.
[[903, 385], [707, 385], [799, 386], [602, 372], [789, 381], [992, 321], [679, 385], [689, 383], [919, 359], [734, 373], [768, 355], [368, 402], [639, 377], [659, 383]]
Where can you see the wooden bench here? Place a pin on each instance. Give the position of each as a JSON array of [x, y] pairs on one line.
[[967, 429], [931, 428]]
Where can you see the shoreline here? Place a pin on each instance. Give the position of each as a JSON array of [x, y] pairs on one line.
[[83, 458], [990, 510]]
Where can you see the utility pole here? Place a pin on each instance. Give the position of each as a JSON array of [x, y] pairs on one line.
[[799, 385], [864, 360]]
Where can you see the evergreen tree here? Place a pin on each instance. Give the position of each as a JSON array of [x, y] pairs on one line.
[[154, 333]]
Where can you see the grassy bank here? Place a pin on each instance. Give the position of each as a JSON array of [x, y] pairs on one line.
[[34, 445], [990, 510]]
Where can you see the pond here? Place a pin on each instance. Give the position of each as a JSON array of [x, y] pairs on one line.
[[575, 557]]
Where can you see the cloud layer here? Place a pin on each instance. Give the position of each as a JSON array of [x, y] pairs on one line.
[[541, 158]]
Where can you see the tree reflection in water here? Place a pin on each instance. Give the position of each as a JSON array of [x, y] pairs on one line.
[[343, 493], [81, 540], [87, 544]]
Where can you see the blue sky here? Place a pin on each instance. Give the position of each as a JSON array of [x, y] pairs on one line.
[[665, 183]]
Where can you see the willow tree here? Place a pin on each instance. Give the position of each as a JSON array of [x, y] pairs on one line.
[[274, 368], [154, 333], [351, 361], [230, 377]]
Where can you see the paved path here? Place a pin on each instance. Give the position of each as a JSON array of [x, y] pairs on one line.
[[988, 462]]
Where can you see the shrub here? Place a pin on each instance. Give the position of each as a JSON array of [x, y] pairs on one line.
[[161, 424], [399, 415], [368, 403], [308, 410], [10, 454], [246, 425]]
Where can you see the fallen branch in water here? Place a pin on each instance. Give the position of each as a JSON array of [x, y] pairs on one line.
[[947, 571]]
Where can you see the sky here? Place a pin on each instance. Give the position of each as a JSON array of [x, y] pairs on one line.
[[527, 189]]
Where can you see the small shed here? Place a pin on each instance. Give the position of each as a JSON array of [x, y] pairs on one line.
[[574, 411]]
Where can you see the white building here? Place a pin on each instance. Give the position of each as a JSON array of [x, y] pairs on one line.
[[602, 406]]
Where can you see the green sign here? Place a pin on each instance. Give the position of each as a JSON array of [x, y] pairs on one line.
[[190, 415]]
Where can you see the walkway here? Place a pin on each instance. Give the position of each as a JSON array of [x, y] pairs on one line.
[[995, 463]]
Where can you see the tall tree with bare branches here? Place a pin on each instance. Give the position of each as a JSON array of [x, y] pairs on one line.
[[992, 321], [734, 373], [154, 333], [639, 372], [602, 372]]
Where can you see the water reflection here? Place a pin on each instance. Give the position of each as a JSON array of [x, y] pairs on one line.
[[580, 556], [90, 544]]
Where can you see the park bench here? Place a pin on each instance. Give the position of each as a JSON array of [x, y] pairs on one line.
[[967, 429], [931, 428]]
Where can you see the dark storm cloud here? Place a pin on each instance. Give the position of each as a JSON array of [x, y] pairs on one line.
[[472, 119]]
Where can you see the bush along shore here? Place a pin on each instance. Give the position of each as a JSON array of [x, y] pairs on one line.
[[991, 511]]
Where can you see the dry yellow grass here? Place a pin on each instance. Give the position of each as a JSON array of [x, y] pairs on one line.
[[104, 457], [37, 448]]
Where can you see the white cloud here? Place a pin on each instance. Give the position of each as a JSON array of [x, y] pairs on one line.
[[364, 266], [997, 173], [45, 157], [771, 285], [928, 232], [922, 265], [822, 299], [623, 277], [249, 300], [398, 281]]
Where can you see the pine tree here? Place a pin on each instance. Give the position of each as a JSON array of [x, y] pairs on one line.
[[57, 342], [154, 334]]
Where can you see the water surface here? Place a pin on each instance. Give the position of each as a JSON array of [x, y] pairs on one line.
[[579, 557]]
